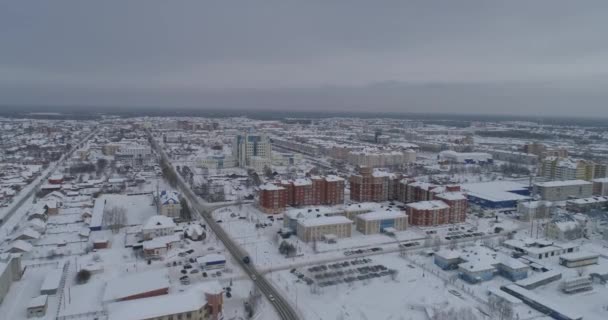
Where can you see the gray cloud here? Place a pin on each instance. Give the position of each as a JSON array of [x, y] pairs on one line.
[[200, 54]]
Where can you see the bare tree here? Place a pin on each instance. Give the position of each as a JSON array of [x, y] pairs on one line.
[[436, 243], [115, 218], [500, 309]]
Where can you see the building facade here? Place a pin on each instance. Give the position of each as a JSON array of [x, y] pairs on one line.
[[563, 190], [315, 229], [428, 213], [381, 221]]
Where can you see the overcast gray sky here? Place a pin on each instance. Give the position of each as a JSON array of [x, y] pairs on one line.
[[541, 56]]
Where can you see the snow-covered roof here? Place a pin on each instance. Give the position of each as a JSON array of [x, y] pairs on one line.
[[333, 178], [212, 257], [448, 254], [313, 222], [381, 215], [160, 242], [169, 197], [581, 255], [160, 306], [271, 187], [453, 196], [159, 222], [496, 190], [136, 283], [588, 200], [564, 183], [21, 246], [52, 280], [97, 217], [38, 302], [428, 205]]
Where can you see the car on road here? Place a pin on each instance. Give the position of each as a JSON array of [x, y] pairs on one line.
[[253, 277], [271, 298]]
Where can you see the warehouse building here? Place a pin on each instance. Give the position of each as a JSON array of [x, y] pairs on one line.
[[496, 194]]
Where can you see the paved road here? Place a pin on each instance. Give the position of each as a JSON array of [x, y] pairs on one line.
[[204, 210], [43, 179]]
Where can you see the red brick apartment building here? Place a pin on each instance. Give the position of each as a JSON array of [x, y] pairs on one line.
[[369, 186], [302, 192], [428, 213], [272, 198]]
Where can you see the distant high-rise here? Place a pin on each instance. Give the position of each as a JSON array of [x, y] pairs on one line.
[[252, 150]]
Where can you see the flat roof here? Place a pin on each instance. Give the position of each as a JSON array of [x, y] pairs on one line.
[[496, 190], [38, 302], [313, 222], [581, 255], [563, 183], [381, 215], [428, 205], [52, 280], [543, 301]]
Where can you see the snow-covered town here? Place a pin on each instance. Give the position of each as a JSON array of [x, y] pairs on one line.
[[302, 218]]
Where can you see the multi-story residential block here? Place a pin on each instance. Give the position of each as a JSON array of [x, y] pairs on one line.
[[272, 198], [587, 204], [252, 150], [428, 213], [600, 187], [563, 190], [554, 168], [371, 185], [458, 204]]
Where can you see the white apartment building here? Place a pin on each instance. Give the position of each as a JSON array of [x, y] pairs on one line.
[[252, 150]]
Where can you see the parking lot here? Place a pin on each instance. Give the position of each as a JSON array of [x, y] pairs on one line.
[[342, 272]]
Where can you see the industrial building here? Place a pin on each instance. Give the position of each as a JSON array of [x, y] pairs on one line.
[[499, 195]]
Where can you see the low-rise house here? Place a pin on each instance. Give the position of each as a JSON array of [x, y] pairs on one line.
[[578, 259], [158, 247], [19, 246], [540, 249], [36, 308], [158, 226]]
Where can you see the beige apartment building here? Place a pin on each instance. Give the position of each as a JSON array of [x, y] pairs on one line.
[[316, 229]]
